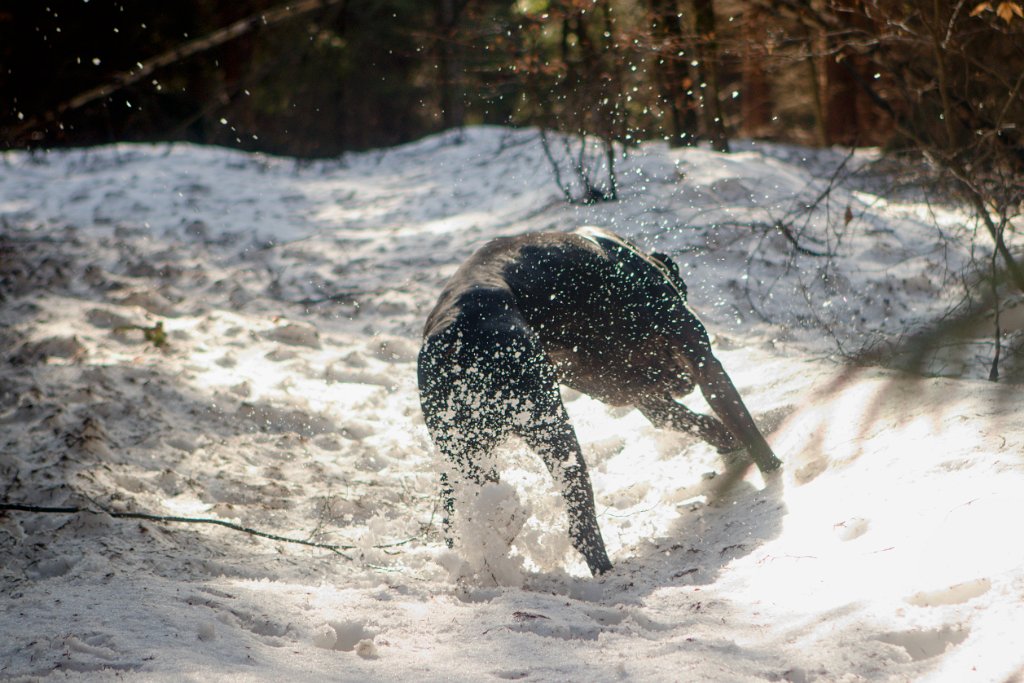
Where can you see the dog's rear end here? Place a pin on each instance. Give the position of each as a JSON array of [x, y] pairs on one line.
[[484, 375]]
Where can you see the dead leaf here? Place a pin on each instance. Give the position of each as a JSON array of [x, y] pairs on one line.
[[981, 7], [1006, 10]]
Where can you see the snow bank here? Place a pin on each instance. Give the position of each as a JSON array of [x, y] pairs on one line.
[[292, 296]]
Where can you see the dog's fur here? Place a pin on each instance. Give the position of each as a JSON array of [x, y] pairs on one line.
[[586, 309]]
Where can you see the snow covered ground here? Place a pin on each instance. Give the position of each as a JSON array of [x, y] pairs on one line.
[[292, 295]]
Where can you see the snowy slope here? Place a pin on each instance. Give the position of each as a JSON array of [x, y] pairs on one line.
[[293, 293]]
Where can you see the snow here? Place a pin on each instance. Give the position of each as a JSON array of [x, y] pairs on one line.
[[293, 294]]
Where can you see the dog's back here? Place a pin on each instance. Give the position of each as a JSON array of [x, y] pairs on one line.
[[581, 289]]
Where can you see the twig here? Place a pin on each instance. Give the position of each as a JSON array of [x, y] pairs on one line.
[[590, 193], [554, 166], [166, 519], [993, 373], [783, 229]]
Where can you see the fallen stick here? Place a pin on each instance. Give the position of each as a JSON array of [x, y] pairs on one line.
[[335, 548]]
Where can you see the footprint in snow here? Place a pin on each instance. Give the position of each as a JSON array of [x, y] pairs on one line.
[[294, 334], [925, 644], [951, 595]]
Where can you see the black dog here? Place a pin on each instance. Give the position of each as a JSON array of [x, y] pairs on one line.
[[586, 309]]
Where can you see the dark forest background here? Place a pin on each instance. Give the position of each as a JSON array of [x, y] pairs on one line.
[[315, 78]]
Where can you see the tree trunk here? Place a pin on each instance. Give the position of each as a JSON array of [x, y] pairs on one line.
[[815, 40], [840, 99], [707, 68], [851, 117], [452, 104], [672, 76], [756, 97]]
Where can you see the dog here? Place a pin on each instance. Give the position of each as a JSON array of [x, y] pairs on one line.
[[586, 309]]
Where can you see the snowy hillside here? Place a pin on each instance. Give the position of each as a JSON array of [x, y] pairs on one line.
[[292, 295]]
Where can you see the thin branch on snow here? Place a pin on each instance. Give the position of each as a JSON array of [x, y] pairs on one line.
[[167, 519]]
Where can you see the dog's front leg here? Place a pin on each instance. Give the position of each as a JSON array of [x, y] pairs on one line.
[[721, 395]]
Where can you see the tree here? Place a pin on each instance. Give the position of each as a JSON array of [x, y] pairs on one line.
[[707, 70], [674, 85], [755, 98], [450, 63]]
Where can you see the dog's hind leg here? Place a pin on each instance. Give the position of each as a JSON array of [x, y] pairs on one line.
[[550, 434], [461, 426], [463, 454], [557, 445]]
